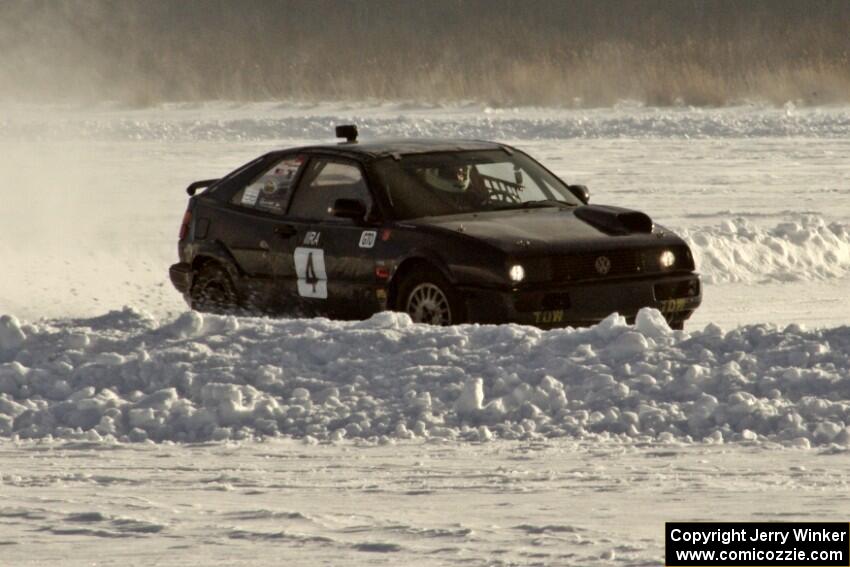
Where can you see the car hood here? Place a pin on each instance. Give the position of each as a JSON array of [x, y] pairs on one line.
[[556, 230]]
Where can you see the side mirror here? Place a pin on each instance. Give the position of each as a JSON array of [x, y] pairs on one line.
[[581, 192], [348, 209]]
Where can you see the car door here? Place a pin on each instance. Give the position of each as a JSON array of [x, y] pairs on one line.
[[334, 260], [262, 239]]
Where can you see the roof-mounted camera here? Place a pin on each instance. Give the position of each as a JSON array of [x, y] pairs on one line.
[[347, 131]]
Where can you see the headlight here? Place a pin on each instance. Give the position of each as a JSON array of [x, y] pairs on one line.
[[667, 259], [517, 273]]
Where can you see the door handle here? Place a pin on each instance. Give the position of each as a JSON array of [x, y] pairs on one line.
[[285, 231]]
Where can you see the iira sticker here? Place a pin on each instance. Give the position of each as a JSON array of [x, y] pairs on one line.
[[367, 239]]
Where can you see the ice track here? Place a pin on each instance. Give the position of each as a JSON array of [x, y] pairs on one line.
[[313, 442], [94, 195], [418, 502]]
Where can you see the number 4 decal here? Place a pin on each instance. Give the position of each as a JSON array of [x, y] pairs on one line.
[[310, 269]]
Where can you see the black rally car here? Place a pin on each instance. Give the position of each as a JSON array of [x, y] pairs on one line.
[[448, 231]]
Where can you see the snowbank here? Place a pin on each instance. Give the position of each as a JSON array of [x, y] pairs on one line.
[[736, 250], [274, 121], [126, 376]]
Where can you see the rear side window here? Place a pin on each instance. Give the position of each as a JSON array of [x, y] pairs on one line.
[[270, 191], [324, 182]]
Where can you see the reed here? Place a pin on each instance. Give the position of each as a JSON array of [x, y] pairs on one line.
[[502, 52]]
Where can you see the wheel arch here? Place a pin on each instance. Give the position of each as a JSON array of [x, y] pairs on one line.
[[216, 254], [407, 266]]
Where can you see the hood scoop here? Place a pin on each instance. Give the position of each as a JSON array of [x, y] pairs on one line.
[[614, 220]]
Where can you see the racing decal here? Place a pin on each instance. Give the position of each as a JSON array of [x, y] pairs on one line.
[[674, 305], [310, 269], [312, 238], [285, 171], [548, 317], [367, 239], [249, 197], [381, 296], [270, 204], [271, 191]]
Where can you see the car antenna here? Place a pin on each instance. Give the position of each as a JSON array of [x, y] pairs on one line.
[[347, 131]]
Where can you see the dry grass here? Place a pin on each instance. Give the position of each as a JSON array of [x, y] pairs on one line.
[[506, 52]]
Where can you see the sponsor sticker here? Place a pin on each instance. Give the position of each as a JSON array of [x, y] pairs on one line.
[[674, 305], [549, 317], [367, 239], [249, 197]]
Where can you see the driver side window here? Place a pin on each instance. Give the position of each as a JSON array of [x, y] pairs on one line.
[[323, 183]]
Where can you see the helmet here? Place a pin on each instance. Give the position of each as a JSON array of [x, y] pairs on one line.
[[449, 178]]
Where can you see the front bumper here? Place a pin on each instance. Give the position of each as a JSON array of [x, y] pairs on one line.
[[582, 304]]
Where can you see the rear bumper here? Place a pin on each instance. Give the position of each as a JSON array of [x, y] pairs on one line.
[[585, 303], [181, 277]]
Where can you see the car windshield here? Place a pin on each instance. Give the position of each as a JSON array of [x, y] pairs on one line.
[[452, 183]]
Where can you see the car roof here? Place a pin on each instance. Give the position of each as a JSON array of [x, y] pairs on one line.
[[396, 148]]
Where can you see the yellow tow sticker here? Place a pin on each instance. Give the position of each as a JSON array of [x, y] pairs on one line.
[[673, 305], [548, 317]]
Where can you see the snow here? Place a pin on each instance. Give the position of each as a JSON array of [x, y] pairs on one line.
[[237, 122], [207, 377], [736, 250], [133, 429]]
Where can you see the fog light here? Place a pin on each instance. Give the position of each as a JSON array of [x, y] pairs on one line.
[[517, 273], [667, 259]]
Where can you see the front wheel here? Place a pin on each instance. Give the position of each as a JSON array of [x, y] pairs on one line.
[[429, 298]]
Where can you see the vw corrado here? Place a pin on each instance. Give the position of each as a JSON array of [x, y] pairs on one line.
[[447, 231]]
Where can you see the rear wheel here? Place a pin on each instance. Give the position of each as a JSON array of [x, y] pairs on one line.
[[213, 290], [429, 298]]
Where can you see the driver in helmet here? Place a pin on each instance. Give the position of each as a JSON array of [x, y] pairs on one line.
[[458, 182], [449, 178]]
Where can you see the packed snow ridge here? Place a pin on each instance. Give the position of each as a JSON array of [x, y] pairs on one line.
[[264, 121], [737, 250], [124, 376]]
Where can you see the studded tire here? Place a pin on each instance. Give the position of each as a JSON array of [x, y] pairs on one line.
[[213, 290], [429, 298]]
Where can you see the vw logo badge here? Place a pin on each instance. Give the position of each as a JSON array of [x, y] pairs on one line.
[[603, 265]]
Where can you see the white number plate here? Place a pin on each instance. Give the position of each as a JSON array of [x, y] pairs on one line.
[[310, 269]]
